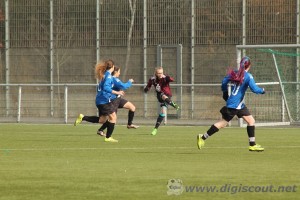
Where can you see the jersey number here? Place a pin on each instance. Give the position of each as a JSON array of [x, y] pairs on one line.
[[235, 89]]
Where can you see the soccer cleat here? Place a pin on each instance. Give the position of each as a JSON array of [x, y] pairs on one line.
[[101, 133], [256, 148], [175, 106], [78, 120], [200, 141], [154, 131], [110, 139], [132, 126]]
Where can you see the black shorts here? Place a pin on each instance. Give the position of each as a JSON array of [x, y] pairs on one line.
[[160, 100], [119, 102], [229, 113], [106, 109]]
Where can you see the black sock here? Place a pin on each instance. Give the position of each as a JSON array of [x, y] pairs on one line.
[[251, 135], [92, 119], [159, 120], [110, 129], [130, 117], [170, 102], [104, 126], [210, 132]]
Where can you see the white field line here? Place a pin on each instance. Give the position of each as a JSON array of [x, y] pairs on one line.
[[133, 148]]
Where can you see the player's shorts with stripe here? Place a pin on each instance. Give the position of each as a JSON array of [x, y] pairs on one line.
[[106, 109], [229, 113]]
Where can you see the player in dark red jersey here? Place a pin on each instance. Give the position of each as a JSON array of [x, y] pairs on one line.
[[163, 94]]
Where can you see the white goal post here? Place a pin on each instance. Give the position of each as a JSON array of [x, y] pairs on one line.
[[281, 77]]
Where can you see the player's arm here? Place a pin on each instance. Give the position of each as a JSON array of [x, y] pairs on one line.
[[169, 78], [148, 86], [107, 86], [120, 85], [254, 88], [224, 87]]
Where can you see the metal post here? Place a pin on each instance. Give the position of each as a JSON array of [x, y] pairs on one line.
[[145, 54], [98, 31], [66, 104], [19, 104], [282, 88], [51, 60], [179, 77], [298, 63], [192, 57], [7, 59], [240, 120]]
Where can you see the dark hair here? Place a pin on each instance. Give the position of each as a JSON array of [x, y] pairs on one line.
[[115, 70], [109, 64]]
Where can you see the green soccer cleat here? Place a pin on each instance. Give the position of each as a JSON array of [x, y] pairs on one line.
[[154, 132], [78, 120], [175, 106], [110, 139], [200, 141], [256, 148]]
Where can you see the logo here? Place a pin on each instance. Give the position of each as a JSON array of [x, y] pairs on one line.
[[175, 186]]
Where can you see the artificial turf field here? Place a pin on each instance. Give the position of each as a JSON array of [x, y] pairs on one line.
[[47, 162]]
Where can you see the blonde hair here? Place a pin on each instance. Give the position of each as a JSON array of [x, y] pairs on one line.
[[101, 67], [158, 68]]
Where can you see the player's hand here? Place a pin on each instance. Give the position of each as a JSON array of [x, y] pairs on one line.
[[225, 95], [131, 80], [122, 93], [263, 91]]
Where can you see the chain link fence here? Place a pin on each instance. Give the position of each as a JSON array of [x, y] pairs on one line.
[[60, 41]]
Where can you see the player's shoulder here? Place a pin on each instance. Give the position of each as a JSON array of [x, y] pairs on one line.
[[248, 75]]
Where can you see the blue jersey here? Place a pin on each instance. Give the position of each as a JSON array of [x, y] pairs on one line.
[[104, 90], [236, 98], [119, 85]]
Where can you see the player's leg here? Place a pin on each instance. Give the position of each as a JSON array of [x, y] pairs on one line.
[[160, 118], [112, 119], [111, 110], [102, 128], [227, 115], [169, 101], [81, 117], [128, 105], [245, 114]]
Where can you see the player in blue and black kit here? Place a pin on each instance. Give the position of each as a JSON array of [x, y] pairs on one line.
[[120, 102], [235, 105], [104, 99]]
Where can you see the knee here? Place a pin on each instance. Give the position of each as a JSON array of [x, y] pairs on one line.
[[113, 118], [102, 120], [251, 122], [132, 108]]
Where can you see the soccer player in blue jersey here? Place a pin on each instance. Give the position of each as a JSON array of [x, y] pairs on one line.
[[235, 105], [104, 99], [120, 102]]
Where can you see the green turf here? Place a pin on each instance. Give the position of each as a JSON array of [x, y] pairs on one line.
[[46, 162]]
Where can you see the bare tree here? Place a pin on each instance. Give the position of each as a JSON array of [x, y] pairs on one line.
[[132, 5]]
